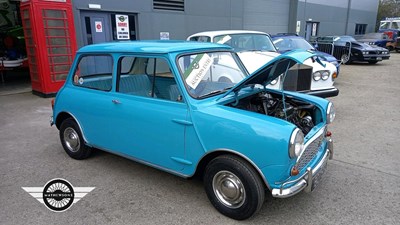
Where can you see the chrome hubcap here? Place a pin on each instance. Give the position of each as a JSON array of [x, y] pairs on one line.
[[345, 58], [229, 189], [71, 139]]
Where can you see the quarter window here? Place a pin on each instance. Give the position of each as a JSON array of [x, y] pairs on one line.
[[147, 77], [94, 72]]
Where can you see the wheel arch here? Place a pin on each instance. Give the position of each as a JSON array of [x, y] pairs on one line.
[[66, 115], [61, 117], [213, 154]]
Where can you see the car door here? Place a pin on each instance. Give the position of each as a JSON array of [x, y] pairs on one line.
[[149, 114]]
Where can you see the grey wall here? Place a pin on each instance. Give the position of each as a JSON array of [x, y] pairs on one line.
[[338, 17], [271, 16]]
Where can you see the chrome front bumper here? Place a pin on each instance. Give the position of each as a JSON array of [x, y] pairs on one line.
[[305, 182]]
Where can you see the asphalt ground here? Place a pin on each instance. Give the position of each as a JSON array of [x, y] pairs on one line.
[[361, 185]]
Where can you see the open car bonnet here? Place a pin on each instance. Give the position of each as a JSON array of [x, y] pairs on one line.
[[273, 69]]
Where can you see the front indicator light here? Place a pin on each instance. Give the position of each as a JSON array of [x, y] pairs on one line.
[[334, 75], [294, 171], [328, 134]]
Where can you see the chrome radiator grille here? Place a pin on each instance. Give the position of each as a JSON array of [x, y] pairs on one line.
[[310, 152]]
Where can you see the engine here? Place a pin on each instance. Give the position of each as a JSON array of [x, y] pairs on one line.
[[289, 109]]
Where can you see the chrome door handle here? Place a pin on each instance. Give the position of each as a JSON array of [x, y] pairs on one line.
[[115, 101]]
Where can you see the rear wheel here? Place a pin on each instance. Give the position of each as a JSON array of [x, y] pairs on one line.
[[233, 187], [72, 140]]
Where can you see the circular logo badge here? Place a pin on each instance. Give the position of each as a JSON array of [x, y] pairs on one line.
[[58, 195]]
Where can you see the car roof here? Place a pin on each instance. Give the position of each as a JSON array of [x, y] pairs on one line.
[[156, 46], [225, 32]]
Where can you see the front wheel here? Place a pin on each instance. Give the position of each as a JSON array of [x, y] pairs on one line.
[[72, 140], [233, 187], [345, 58]]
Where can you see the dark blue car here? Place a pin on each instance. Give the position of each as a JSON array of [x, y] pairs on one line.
[[378, 39], [288, 42]]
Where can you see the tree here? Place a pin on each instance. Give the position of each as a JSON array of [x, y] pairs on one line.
[[387, 8]]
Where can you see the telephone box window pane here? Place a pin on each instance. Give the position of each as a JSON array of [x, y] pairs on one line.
[[59, 50], [60, 59], [57, 32], [54, 13], [27, 24], [56, 23], [57, 41], [60, 77], [60, 68], [28, 33], [29, 41], [25, 14]]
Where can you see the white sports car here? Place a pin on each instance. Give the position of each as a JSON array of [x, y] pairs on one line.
[[255, 49]]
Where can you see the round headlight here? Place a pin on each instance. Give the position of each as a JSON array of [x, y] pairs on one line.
[[325, 75], [274, 81], [296, 144], [365, 53], [330, 113], [317, 76]]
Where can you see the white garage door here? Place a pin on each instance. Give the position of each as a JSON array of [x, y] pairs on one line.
[[271, 16]]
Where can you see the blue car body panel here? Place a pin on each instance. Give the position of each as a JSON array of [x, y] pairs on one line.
[[175, 136]]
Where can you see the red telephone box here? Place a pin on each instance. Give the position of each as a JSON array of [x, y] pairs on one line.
[[50, 43]]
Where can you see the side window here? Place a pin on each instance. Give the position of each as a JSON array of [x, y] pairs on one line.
[[147, 77], [200, 39], [95, 72]]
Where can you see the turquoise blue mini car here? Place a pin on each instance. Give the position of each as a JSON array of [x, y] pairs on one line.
[[170, 105]]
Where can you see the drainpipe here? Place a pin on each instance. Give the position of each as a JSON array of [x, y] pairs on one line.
[[348, 16], [304, 18]]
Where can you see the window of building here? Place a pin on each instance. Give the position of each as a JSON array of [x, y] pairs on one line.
[[174, 5], [360, 29]]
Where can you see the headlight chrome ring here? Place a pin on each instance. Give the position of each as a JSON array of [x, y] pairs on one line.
[[325, 75], [296, 144], [317, 76], [330, 113]]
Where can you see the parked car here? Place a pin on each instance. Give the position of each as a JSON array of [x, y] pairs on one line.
[[391, 27], [157, 102], [375, 39], [349, 50], [256, 48], [286, 42]]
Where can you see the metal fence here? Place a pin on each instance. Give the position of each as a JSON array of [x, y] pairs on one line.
[[341, 51]]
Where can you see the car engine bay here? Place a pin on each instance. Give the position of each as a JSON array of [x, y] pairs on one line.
[[292, 110]]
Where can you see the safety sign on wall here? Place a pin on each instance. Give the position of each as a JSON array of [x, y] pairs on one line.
[[164, 35], [99, 26], [122, 24]]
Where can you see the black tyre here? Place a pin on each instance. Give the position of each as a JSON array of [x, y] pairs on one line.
[[372, 62], [234, 187], [72, 140], [345, 58]]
